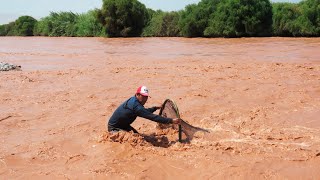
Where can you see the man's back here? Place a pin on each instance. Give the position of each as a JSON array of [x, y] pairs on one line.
[[125, 114]]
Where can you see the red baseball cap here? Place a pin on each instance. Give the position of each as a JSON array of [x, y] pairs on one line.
[[143, 90]]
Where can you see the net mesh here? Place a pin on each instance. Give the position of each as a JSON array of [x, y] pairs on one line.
[[170, 110]]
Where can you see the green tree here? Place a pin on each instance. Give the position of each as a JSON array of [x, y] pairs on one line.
[[87, 24], [297, 20], [3, 30], [153, 28], [9, 29], [24, 26], [226, 20], [188, 22], [236, 18], [162, 24], [150, 13], [123, 18], [43, 27], [57, 24], [63, 24], [284, 18], [309, 21], [256, 17], [170, 26], [194, 19]]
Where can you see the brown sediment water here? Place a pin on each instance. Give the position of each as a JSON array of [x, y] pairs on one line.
[[258, 97]]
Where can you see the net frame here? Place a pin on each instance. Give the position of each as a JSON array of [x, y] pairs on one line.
[[174, 106], [187, 129], [176, 110]]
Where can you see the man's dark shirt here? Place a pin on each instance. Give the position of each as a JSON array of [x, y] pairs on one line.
[[128, 111]]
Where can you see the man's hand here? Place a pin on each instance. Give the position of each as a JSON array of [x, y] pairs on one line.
[[158, 107], [176, 121]]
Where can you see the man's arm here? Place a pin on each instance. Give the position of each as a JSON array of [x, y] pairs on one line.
[[145, 113], [153, 109]]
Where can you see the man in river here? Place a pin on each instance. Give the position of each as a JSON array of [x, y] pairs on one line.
[[129, 110]]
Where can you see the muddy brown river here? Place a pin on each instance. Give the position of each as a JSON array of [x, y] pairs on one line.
[[259, 98]]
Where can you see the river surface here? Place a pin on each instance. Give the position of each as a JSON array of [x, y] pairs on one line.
[[258, 97], [36, 53]]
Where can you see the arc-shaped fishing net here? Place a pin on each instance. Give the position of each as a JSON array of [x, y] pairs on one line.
[[170, 109]]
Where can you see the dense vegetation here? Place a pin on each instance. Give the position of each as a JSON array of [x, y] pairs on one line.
[[208, 18], [23, 26], [69, 24], [301, 19], [237, 18], [123, 18], [162, 24]]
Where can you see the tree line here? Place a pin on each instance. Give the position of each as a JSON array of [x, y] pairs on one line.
[[208, 18]]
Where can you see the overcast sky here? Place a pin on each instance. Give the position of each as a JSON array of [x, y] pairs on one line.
[[10, 10]]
